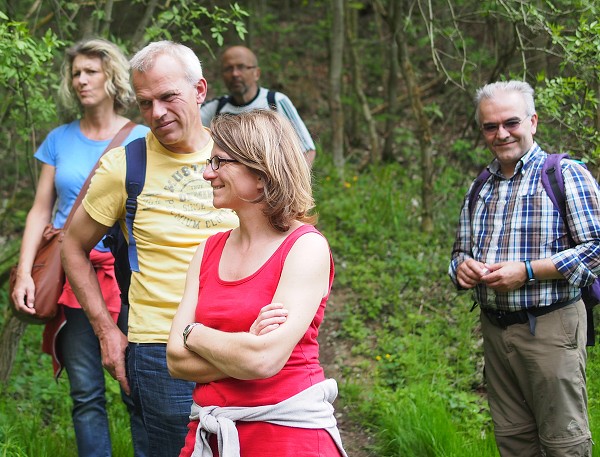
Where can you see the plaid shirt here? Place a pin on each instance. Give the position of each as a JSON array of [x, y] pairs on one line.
[[515, 220]]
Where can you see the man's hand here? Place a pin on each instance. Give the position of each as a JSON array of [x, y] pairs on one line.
[[113, 345], [506, 276], [470, 273], [269, 318]]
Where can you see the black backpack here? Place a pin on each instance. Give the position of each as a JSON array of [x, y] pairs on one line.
[[226, 98], [125, 251], [553, 183]]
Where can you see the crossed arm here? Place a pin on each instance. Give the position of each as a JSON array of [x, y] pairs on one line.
[[265, 348]]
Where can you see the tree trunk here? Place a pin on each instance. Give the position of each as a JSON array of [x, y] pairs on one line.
[[352, 116], [423, 128], [138, 41], [9, 343], [257, 9], [357, 84], [335, 83], [394, 23], [106, 19]]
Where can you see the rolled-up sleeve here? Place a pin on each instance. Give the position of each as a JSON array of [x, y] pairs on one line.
[[580, 265]]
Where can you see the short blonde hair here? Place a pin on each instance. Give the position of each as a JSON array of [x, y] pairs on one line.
[[114, 65], [268, 145]]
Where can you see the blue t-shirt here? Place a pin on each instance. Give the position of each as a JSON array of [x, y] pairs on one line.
[[73, 156]]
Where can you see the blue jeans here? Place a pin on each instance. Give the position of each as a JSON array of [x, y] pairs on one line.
[[80, 351], [163, 402], [138, 430]]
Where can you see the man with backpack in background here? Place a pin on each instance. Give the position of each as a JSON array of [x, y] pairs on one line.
[[526, 265], [174, 215], [240, 71]]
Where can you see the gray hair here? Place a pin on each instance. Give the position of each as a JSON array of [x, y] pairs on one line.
[[143, 60], [490, 91]]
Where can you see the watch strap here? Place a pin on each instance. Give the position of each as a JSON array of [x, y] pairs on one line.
[[529, 270], [186, 332]]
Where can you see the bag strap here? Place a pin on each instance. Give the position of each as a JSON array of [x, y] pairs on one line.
[[554, 185], [476, 188], [271, 100], [553, 182], [222, 102], [135, 176], [116, 141]]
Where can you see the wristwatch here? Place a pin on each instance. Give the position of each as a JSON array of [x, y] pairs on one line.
[[186, 331], [529, 270]]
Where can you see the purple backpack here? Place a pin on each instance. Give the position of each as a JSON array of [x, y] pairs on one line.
[[552, 180]]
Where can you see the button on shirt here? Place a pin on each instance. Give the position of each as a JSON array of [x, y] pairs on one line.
[[515, 220]]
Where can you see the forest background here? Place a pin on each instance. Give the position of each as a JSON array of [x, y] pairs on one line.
[[386, 88]]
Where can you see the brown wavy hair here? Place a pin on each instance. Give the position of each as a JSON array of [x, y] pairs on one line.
[[268, 145]]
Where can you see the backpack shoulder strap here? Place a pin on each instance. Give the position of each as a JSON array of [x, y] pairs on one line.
[[271, 100], [222, 102], [553, 182], [135, 176], [476, 188]]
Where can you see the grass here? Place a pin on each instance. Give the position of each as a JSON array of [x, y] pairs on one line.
[[35, 411]]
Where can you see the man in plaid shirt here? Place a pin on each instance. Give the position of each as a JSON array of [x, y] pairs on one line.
[[512, 249]]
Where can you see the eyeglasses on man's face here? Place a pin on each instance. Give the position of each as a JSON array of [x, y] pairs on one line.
[[240, 68], [510, 125], [216, 161]]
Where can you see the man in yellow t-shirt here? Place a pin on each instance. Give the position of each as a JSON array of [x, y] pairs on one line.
[[175, 213]]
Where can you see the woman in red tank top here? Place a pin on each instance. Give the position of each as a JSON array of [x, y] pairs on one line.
[[260, 388]]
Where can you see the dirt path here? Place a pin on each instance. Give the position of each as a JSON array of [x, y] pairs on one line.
[[335, 354]]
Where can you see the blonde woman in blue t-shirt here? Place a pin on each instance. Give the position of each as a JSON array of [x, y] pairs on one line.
[[96, 83]]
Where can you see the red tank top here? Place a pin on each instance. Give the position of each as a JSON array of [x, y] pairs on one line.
[[232, 306]]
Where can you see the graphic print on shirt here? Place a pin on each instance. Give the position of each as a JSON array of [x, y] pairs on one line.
[[187, 197]]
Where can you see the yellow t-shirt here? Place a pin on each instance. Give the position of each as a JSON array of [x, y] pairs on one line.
[[175, 213]]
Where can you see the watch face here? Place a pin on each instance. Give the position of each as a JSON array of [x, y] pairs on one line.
[[187, 331]]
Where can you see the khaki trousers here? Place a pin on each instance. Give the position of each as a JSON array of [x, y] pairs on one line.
[[536, 385]]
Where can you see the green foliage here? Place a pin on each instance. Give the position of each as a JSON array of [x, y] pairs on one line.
[[24, 77], [418, 421], [572, 101], [35, 410], [572, 104], [187, 19], [26, 110], [372, 222]]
